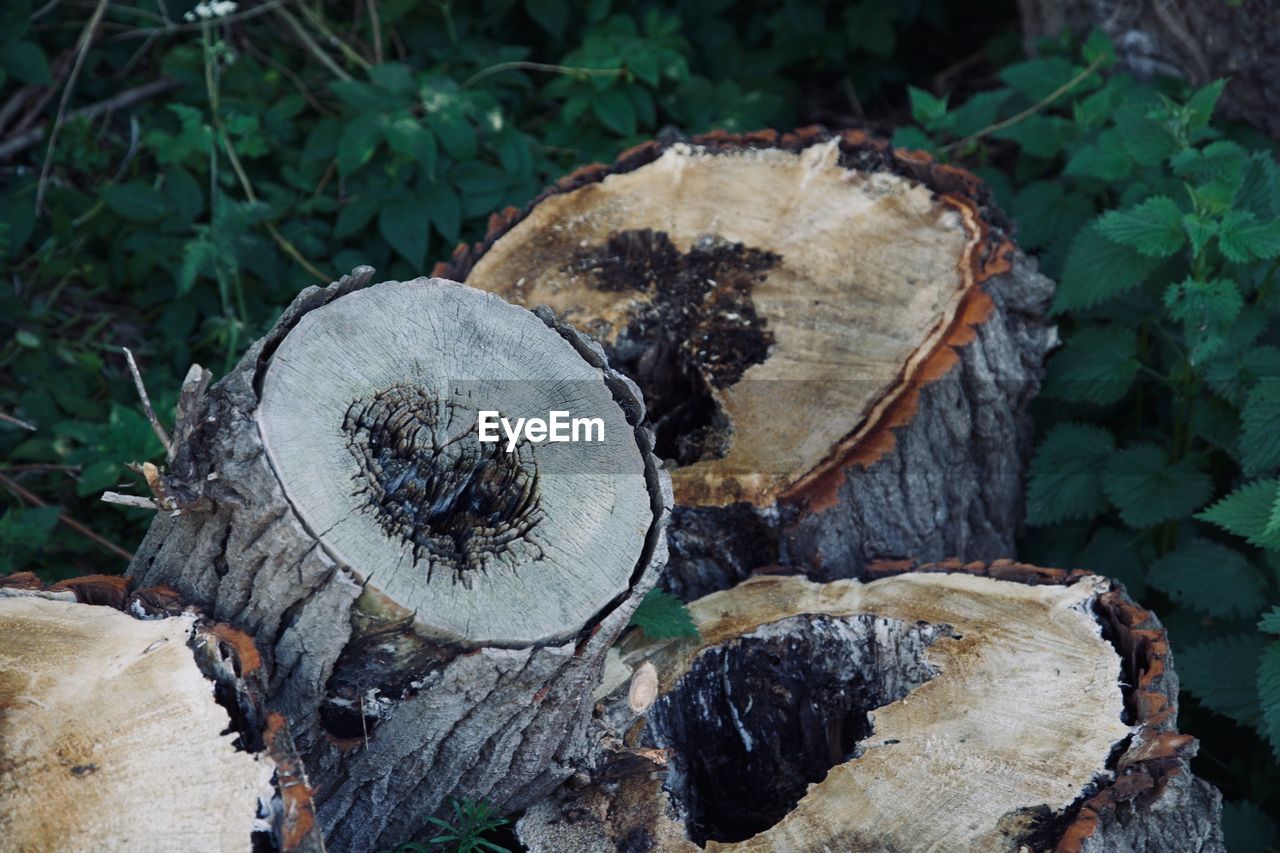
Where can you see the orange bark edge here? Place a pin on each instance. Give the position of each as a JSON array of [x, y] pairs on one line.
[[1156, 753], [989, 253]]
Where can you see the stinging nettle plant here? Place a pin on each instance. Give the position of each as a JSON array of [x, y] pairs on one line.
[[1159, 443]]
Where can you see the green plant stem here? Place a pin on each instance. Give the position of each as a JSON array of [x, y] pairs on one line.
[[540, 66], [347, 50], [1039, 105]]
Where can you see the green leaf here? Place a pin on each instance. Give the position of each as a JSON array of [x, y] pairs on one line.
[[25, 61], [1044, 213], [1270, 621], [1154, 227], [1203, 101], [615, 111], [977, 113], [454, 132], [135, 201], [1038, 78], [1211, 578], [1241, 237], [1104, 159], [445, 210], [911, 137], [359, 140], [1260, 428], [551, 15], [405, 135], [1259, 191], [1246, 512], [1246, 827], [23, 532], [355, 215], [1097, 365], [1120, 555], [1222, 674], [1148, 141], [661, 615], [395, 78], [926, 109], [1269, 694], [1040, 135], [1099, 268], [98, 477], [1200, 231], [1148, 489], [1064, 481], [405, 225]]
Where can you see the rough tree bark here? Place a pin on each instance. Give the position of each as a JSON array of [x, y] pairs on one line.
[[129, 722], [1197, 41], [432, 611], [836, 341], [960, 707]]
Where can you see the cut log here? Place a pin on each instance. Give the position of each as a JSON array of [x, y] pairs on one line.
[[433, 609], [942, 707], [836, 341], [1196, 41], [129, 723]]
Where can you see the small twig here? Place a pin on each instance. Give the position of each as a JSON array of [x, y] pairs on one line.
[[540, 66], [310, 44], [86, 39], [174, 27], [129, 500], [127, 98], [10, 419], [375, 24], [156, 427], [1029, 111], [349, 52], [27, 496]]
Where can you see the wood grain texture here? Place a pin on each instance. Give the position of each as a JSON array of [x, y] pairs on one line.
[[396, 712]]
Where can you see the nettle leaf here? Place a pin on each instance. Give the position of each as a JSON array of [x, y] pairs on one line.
[[1118, 554], [405, 225], [24, 531], [615, 111], [1211, 578], [1270, 621], [1199, 230], [1219, 161], [926, 109], [1040, 135], [1064, 480], [1242, 237], [1222, 674], [1247, 512], [1153, 228], [1039, 78], [1147, 488], [1105, 159], [661, 615], [1148, 141], [1217, 422], [1044, 212], [1269, 694], [977, 113], [1201, 103], [1097, 365], [1260, 427], [1099, 268], [135, 201], [1259, 191]]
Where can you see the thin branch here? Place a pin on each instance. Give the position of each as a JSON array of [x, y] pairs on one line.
[[86, 39], [30, 498], [1029, 111], [375, 24], [156, 427], [174, 27], [310, 44], [127, 98], [540, 66], [347, 50], [10, 419]]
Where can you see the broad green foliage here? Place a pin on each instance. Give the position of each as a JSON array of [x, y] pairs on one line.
[[1159, 449], [463, 832], [662, 615]]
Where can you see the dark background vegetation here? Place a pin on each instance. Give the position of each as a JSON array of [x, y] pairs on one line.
[[284, 143]]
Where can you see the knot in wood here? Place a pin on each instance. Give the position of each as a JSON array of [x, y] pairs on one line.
[[430, 482]]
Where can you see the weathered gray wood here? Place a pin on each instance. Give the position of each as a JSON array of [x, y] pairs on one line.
[[1192, 39], [793, 306], [397, 706], [984, 708]]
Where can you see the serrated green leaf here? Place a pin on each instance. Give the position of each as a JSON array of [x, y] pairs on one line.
[[1097, 365], [1201, 103], [1154, 227], [1260, 428], [1147, 488], [1270, 621], [1036, 79], [1211, 578], [1104, 159], [977, 113], [405, 225], [1064, 481], [661, 615], [1222, 674], [23, 531], [135, 201], [927, 109], [1246, 512], [1040, 135], [1098, 268], [1044, 213], [1269, 694], [1199, 230], [357, 144], [1242, 238], [1149, 142], [1259, 191], [1219, 161]]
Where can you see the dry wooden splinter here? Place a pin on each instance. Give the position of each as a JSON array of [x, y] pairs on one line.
[[789, 304], [433, 609], [121, 732], [966, 708]]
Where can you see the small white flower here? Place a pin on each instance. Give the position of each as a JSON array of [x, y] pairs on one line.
[[211, 10]]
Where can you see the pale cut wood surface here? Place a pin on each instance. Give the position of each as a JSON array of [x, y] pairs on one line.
[[110, 737], [473, 351], [872, 267]]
